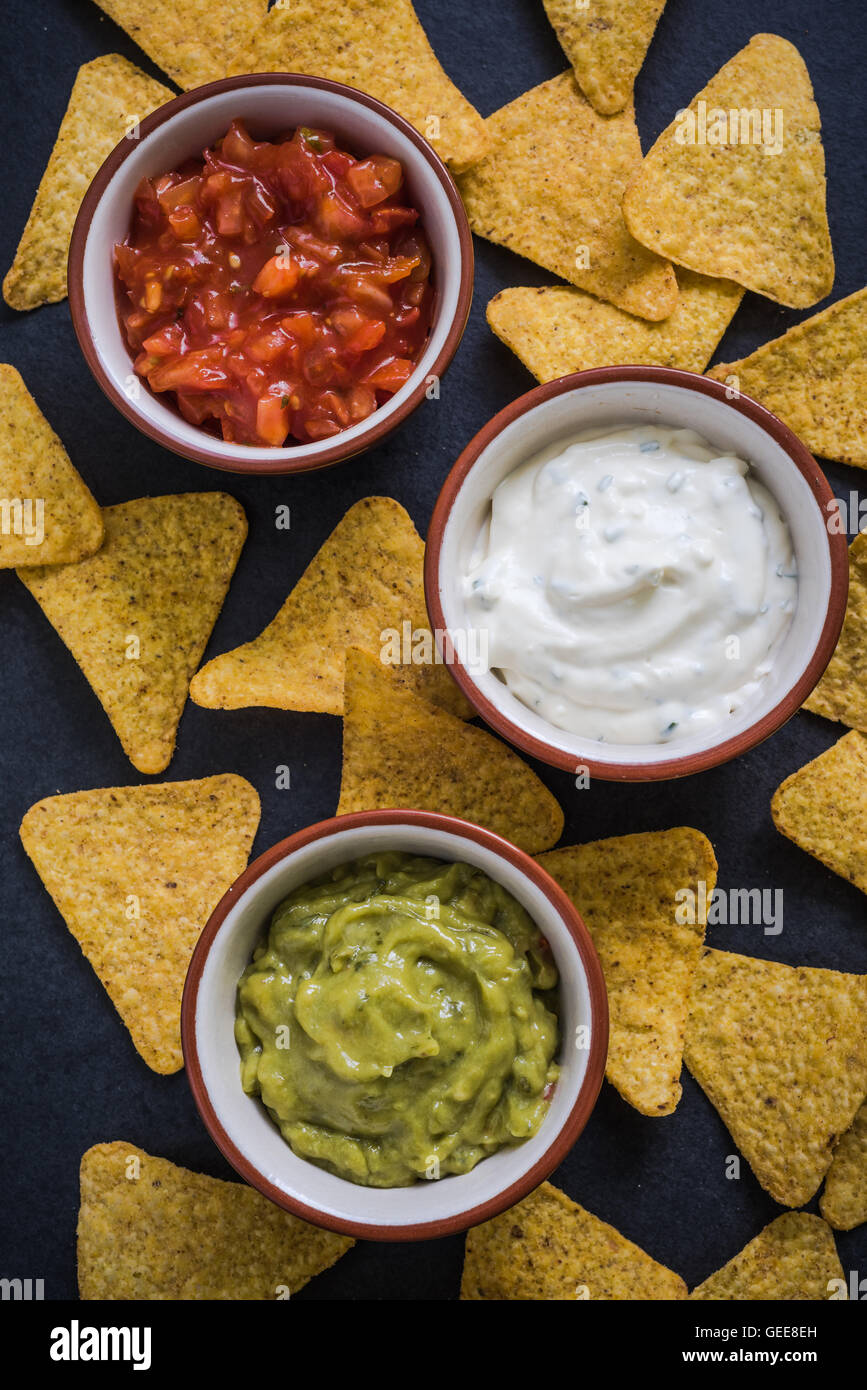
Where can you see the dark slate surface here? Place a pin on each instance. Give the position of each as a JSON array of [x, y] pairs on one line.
[[72, 1075]]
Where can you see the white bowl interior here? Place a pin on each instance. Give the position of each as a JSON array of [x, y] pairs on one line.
[[612, 405], [245, 1119], [269, 110]]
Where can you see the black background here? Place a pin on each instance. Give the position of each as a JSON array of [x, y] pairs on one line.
[[72, 1076]]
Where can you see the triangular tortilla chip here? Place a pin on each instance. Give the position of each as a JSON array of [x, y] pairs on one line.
[[630, 891], [135, 872], [400, 750], [551, 190], [793, 1258], [844, 1201], [47, 514], [823, 808], [743, 209], [148, 1229], [548, 1248], [194, 41], [138, 614], [606, 43], [815, 378], [109, 94], [842, 692], [366, 581], [781, 1051], [558, 330], [380, 47]]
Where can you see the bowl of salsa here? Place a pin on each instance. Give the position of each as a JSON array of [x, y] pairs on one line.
[[270, 273]]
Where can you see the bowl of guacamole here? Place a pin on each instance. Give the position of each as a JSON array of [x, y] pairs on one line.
[[395, 1024], [399, 1019]]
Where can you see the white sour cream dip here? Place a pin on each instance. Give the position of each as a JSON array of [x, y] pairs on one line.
[[633, 585]]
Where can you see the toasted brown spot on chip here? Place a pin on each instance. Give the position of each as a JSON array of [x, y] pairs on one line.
[[108, 94], [781, 1051], [823, 808], [815, 378], [551, 190], [138, 614], [793, 1258], [636, 894], [380, 47], [135, 872], [558, 330], [47, 514], [559, 1251], [844, 1200], [606, 43], [363, 588], [750, 206], [400, 750], [148, 1229], [194, 41]]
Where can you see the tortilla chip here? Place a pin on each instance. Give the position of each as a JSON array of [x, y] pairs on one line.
[[842, 692], [148, 1229], [365, 581], [400, 750], [606, 43], [815, 378], [47, 513], [823, 808], [135, 872], [844, 1201], [558, 330], [194, 41], [629, 891], [548, 1248], [731, 209], [380, 47], [781, 1051], [551, 190], [138, 614], [793, 1258], [108, 95]]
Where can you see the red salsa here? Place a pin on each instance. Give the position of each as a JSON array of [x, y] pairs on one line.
[[281, 290]]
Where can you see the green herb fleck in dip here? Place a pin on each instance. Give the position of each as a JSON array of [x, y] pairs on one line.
[[398, 1022]]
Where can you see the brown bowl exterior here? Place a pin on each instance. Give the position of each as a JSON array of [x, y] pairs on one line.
[[338, 452], [590, 1086], [730, 748]]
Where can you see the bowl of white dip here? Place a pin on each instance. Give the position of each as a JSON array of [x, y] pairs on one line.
[[632, 573]]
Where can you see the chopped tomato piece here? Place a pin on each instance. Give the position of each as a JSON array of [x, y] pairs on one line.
[[272, 419], [278, 276], [375, 179], [391, 375]]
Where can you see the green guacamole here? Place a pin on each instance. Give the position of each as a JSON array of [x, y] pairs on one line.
[[398, 1021]]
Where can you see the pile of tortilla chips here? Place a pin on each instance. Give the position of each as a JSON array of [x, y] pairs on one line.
[[148, 1229], [732, 193]]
